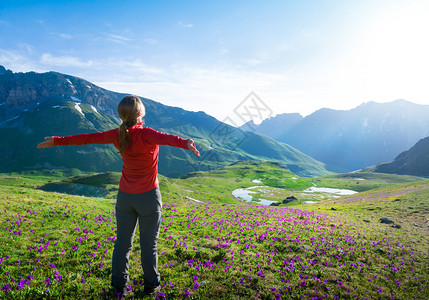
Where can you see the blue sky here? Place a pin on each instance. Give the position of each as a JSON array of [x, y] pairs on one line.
[[297, 56]]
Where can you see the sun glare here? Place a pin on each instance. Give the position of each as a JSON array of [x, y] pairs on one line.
[[393, 53]]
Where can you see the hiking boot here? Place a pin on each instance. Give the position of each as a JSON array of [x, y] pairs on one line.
[[152, 290]]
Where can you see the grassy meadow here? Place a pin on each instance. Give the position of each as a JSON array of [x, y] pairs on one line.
[[59, 246]]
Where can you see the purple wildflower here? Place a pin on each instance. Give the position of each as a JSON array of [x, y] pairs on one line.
[[186, 293], [160, 295]]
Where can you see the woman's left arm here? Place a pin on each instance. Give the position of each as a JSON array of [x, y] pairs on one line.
[[160, 138], [192, 148]]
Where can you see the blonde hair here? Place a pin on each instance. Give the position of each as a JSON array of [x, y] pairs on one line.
[[129, 109]]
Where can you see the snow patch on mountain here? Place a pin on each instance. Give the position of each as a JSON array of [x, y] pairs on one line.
[[94, 109], [77, 106], [71, 85], [79, 109]]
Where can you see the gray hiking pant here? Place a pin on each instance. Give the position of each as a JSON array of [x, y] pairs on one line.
[[147, 209]]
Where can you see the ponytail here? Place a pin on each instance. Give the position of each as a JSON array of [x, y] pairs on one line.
[[129, 110], [123, 139]]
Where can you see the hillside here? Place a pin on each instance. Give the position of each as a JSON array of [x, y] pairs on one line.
[[34, 105], [414, 161], [60, 246], [404, 204], [348, 140]]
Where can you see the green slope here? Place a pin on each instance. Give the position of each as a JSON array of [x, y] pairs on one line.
[[60, 246]]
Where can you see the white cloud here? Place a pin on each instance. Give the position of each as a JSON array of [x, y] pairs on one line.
[[65, 36], [64, 61], [118, 38], [216, 91], [128, 70], [17, 61], [7, 57], [186, 25]]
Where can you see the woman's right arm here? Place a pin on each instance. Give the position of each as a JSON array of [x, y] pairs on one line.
[[105, 137], [49, 142]]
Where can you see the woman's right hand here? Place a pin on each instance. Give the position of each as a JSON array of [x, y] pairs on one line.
[[192, 148], [49, 142]]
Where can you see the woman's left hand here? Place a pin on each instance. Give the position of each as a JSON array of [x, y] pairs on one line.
[[192, 148], [49, 142]]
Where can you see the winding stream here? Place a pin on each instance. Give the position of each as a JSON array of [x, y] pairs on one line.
[[247, 194]]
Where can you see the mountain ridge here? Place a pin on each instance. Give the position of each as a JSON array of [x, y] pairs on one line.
[[34, 105], [274, 126], [348, 140]]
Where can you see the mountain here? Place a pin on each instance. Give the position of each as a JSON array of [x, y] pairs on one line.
[[348, 140], [35, 105], [414, 161], [274, 127]]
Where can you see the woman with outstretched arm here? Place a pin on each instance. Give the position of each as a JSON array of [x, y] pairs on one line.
[[138, 197]]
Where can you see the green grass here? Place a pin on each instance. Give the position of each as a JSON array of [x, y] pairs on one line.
[[219, 250], [363, 181], [405, 204], [217, 185]]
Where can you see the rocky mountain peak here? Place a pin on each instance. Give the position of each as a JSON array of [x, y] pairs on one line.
[[2, 70], [19, 91]]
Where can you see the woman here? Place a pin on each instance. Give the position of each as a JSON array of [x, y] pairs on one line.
[[138, 197]]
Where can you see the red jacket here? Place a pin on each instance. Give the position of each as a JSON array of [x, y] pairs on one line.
[[140, 168]]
